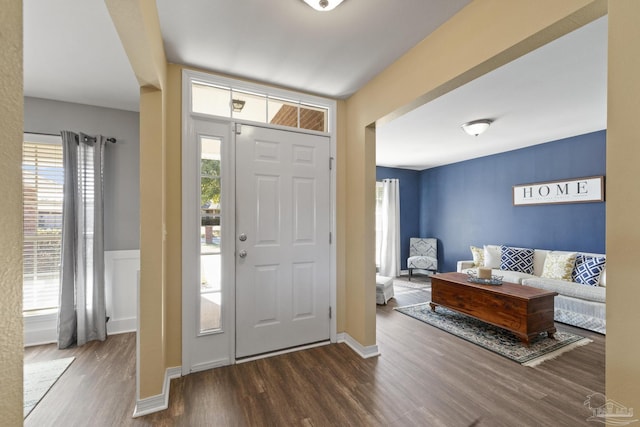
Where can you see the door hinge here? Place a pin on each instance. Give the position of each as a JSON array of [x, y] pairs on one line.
[[329, 312], [329, 237], [330, 163], [238, 128]]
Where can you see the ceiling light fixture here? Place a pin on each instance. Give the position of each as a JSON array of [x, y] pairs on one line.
[[323, 5], [476, 127], [237, 105]]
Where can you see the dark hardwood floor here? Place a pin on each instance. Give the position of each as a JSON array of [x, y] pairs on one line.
[[424, 377]]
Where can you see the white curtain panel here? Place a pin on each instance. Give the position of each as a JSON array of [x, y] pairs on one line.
[[82, 311], [390, 245]]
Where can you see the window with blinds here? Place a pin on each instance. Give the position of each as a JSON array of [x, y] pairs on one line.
[[42, 189]]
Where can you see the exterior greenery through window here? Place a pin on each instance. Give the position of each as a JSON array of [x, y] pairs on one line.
[[210, 180], [210, 228]]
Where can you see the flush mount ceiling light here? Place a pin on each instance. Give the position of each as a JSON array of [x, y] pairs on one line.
[[237, 105], [323, 5], [476, 127]]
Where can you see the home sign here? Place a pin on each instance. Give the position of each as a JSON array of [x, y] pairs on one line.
[[578, 190]]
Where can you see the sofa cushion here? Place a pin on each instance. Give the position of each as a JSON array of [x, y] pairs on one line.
[[478, 256], [569, 289], [588, 269], [492, 254], [559, 265], [539, 255], [517, 259]]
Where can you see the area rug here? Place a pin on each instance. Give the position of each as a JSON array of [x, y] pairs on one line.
[[417, 282], [39, 377], [496, 339]]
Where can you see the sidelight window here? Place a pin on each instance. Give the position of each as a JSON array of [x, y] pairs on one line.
[[210, 242]]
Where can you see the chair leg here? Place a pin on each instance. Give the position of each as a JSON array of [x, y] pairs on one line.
[[410, 272]]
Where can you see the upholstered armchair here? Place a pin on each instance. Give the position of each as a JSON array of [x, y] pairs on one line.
[[423, 255]]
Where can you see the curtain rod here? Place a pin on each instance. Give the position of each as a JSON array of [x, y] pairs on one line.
[[112, 140]]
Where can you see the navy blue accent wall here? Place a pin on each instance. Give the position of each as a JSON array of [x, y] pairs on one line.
[[470, 203], [409, 205]]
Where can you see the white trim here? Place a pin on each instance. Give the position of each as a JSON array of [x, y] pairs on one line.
[[137, 341], [186, 150], [362, 351], [43, 328], [120, 275], [285, 351], [40, 329], [333, 257], [200, 349], [121, 326], [159, 402], [209, 365]]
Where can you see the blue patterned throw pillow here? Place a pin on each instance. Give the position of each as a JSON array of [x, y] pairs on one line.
[[588, 269], [517, 259]]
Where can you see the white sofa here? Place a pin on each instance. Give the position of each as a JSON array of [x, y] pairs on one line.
[[576, 304]]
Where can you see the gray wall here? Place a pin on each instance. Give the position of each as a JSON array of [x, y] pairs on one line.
[[122, 183]]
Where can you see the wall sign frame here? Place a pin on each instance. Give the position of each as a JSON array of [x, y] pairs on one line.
[[577, 190]]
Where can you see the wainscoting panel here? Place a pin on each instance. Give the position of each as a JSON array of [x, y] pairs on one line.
[[121, 281]]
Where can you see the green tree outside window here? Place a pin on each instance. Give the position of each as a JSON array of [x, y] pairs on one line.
[[209, 181]]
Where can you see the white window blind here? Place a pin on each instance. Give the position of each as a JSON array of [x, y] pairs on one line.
[[42, 189]]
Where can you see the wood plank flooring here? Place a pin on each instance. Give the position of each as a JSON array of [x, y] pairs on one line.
[[424, 377]]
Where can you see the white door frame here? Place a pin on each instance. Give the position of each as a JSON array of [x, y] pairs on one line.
[[188, 120], [195, 345]]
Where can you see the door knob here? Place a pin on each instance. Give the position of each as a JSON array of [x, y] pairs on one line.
[[242, 237], [242, 253]]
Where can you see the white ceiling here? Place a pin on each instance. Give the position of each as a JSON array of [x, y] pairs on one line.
[[288, 43], [557, 91], [72, 53]]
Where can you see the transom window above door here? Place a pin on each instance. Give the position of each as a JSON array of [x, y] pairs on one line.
[[244, 104]]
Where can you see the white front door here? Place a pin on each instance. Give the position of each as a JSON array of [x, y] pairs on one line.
[[282, 240]]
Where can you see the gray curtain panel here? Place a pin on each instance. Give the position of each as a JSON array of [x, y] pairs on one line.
[[82, 311]]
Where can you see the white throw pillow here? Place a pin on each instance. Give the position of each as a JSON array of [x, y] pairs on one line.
[[492, 256]]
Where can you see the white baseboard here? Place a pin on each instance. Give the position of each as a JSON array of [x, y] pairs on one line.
[[362, 351], [122, 326], [40, 329], [159, 402]]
